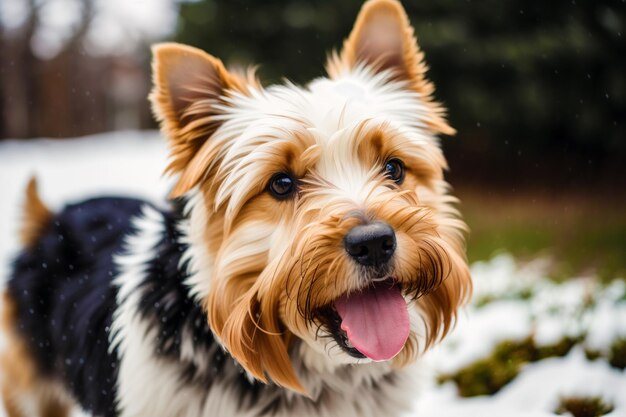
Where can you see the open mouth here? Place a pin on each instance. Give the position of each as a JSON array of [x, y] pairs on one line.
[[370, 323], [332, 322]]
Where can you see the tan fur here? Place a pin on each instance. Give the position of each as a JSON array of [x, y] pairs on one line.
[[53, 407], [36, 215], [404, 56], [17, 366], [22, 387], [187, 114], [276, 263], [246, 322]]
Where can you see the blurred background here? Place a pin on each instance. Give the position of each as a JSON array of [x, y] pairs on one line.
[[536, 90]]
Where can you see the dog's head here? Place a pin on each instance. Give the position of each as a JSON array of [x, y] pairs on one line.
[[318, 215]]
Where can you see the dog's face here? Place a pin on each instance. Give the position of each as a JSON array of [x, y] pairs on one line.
[[318, 213]]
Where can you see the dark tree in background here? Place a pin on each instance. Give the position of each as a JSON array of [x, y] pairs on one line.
[[536, 89], [74, 91]]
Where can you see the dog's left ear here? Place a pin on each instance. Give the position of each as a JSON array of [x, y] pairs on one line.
[[189, 88], [383, 39]]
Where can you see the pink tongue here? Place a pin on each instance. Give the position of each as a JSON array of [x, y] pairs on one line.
[[376, 321]]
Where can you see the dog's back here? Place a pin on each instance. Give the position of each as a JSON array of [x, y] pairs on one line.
[[59, 304]]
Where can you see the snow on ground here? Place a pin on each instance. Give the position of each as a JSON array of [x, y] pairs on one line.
[[124, 163], [522, 302], [535, 392], [511, 302]]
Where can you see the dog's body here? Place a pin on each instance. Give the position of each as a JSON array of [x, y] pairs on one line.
[[171, 364], [311, 255]]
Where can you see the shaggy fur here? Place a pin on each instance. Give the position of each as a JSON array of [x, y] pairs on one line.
[[225, 304]]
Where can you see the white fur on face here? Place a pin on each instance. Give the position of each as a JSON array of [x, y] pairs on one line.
[[329, 112], [332, 116]]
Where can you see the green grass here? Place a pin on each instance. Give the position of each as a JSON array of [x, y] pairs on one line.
[[584, 406], [617, 356], [581, 233], [488, 375]]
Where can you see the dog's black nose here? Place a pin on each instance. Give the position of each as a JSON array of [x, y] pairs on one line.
[[371, 244]]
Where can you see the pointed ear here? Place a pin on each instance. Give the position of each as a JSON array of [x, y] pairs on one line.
[[383, 38], [188, 86]]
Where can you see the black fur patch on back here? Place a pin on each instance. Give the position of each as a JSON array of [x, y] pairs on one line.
[[65, 300], [64, 291]]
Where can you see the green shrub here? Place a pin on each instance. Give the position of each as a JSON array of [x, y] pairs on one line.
[[584, 406], [488, 375], [617, 356]]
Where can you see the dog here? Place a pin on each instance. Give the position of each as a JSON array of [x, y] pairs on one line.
[[311, 252]]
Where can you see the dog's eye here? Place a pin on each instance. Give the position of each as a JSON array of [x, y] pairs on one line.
[[394, 169], [282, 186]]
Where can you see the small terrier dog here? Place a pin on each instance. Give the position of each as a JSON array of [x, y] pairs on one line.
[[311, 253]]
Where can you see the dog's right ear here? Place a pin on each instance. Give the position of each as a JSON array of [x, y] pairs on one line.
[[383, 39], [189, 87]]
